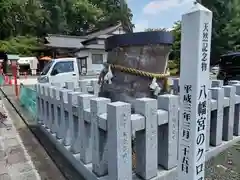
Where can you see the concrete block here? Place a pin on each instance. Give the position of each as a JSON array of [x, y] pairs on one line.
[[146, 140], [56, 110], [42, 104], [61, 133], [99, 146], [216, 125], [168, 133], [72, 125], [50, 107], [236, 126], [228, 115], [56, 85], [38, 104], [96, 87], [45, 105], [216, 83], [70, 85], [232, 82], [120, 146], [85, 128], [83, 86]]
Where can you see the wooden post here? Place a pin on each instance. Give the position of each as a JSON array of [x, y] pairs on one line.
[[195, 58]]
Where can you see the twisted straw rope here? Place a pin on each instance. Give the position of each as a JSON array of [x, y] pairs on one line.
[[139, 72], [144, 74]]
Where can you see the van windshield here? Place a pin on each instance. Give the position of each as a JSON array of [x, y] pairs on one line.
[[46, 68]]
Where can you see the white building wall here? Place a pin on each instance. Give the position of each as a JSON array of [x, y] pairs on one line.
[[90, 66]]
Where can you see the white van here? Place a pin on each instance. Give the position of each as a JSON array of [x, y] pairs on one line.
[[64, 70]]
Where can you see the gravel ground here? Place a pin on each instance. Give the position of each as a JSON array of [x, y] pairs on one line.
[[225, 166]]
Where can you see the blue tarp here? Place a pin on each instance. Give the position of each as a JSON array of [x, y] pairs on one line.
[[27, 98]]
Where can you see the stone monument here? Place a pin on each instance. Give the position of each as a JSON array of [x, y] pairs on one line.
[[136, 65], [194, 85]]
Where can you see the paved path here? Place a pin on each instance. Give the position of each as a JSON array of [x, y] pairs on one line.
[[15, 163], [51, 165]]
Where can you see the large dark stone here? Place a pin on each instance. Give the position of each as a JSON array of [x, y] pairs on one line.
[[146, 51]]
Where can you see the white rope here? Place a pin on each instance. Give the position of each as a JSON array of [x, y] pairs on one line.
[[154, 86], [108, 77]]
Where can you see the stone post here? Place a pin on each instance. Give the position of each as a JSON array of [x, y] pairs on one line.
[[146, 140], [236, 126], [120, 149], [194, 85], [99, 138], [85, 127], [228, 114]]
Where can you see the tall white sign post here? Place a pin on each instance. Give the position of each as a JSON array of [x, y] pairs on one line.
[[194, 84]]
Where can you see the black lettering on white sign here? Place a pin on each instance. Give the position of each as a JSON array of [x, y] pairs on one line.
[[205, 47]]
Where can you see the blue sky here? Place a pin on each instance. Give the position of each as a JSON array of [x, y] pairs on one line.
[[157, 13]]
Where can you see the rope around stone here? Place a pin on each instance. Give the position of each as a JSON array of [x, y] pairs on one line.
[[139, 72]]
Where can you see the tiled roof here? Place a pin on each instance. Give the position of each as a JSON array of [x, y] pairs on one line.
[[64, 41]]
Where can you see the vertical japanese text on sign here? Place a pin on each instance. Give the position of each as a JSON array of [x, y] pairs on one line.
[[202, 107], [185, 135]]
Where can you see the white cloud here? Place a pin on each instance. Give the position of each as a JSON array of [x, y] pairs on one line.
[[157, 6]]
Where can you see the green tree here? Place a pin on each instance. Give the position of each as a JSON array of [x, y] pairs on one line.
[[82, 16], [22, 45], [224, 11], [36, 18], [225, 28], [232, 28], [114, 11], [176, 31]]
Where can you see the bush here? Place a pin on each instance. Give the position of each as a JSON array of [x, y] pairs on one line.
[[21, 45], [172, 64], [173, 67]]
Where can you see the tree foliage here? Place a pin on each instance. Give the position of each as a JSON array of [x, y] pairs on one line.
[[156, 29], [177, 41], [225, 30], [36, 18], [223, 12], [22, 45]]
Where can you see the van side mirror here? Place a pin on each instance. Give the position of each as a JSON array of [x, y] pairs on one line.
[[54, 72]]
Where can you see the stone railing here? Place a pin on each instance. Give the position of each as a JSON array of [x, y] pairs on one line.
[[85, 86], [95, 134]]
